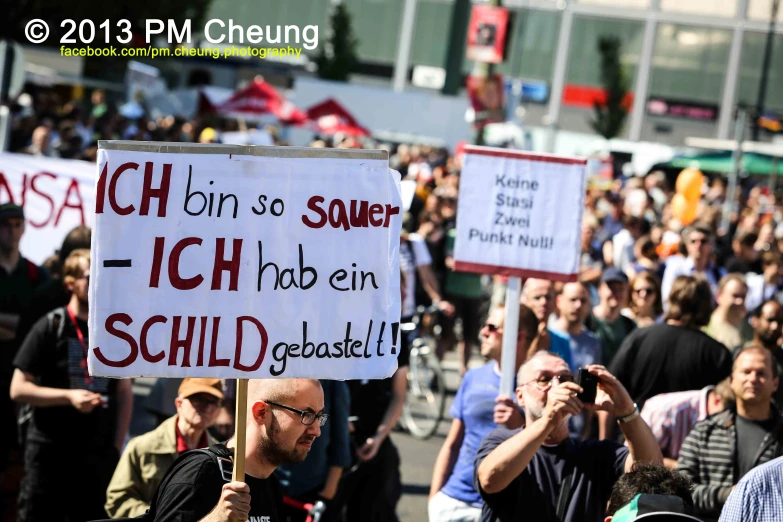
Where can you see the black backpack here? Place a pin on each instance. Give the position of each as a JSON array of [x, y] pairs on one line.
[[218, 452], [55, 326]]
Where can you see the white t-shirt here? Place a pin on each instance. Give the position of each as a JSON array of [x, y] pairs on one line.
[[409, 261]]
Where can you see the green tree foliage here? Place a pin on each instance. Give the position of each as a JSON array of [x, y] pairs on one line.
[[610, 116], [337, 56]]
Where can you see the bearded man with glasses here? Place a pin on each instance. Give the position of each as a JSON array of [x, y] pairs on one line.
[[539, 472], [284, 417]]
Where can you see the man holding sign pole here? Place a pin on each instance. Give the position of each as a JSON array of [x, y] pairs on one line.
[[283, 419], [245, 263]]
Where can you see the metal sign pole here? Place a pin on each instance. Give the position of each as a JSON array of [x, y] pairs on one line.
[[508, 361]]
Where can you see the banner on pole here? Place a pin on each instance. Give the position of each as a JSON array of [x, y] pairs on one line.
[[244, 262], [520, 214], [486, 40], [56, 194]]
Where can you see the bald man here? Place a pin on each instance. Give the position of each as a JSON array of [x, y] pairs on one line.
[[283, 419], [539, 296]]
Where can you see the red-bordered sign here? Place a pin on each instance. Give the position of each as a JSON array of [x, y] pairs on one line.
[[487, 34]]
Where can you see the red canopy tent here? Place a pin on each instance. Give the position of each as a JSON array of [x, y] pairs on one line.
[[260, 98], [330, 117]]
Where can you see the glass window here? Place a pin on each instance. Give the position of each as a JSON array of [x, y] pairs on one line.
[[760, 10], [639, 4], [270, 12], [750, 71], [689, 63], [431, 33], [376, 24], [584, 60], [530, 52], [703, 7]]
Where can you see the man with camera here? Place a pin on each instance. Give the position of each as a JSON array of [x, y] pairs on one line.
[[539, 472]]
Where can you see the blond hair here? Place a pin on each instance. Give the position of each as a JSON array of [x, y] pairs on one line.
[[73, 268]]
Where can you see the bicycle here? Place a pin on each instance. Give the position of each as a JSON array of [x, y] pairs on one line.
[[425, 400], [314, 511]]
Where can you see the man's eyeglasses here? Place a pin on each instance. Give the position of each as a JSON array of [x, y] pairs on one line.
[[544, 380], [308, 417], [202, 403]]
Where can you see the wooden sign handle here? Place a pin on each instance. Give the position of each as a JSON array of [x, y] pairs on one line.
[[240, 420]]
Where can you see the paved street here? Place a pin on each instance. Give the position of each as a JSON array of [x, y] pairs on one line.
[[418, 457]]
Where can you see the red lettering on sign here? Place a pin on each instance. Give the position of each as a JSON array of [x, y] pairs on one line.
[[262, 348], [35, 190], [73, 187], [226, 265], [161, 193], [125, 336], [176, 281], [362, 214], [145, 353]]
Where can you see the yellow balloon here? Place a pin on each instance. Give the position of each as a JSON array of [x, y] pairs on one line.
[[684, 210], [689, 184]]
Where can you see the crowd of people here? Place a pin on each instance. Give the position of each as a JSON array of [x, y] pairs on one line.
[[680, 325]]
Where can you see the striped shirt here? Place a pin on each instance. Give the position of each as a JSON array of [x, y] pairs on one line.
[[672, 416], [758, 497]]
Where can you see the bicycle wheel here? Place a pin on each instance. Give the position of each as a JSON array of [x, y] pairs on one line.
[[426, 396]]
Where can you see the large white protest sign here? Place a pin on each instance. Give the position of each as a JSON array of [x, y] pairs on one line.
[[244, 262], [57, 195], [520, 214]]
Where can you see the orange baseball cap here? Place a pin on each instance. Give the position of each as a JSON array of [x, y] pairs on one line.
[[193, 386]]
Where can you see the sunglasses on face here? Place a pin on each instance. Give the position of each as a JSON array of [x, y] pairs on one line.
[[202, 403], [643, 291], [492, 327]]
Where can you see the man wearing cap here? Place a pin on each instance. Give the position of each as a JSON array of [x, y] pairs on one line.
[[606, 321], [19, 278], [147, 457]]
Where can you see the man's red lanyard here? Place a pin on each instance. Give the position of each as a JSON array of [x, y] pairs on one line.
[[80, 336]]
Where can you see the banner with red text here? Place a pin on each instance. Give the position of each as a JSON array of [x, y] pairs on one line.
[[244, 262], [57, 195]]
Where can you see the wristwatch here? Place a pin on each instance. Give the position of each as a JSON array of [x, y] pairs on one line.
[[631, 416]]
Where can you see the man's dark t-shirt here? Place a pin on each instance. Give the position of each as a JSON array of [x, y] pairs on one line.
[[739, 265], [17, 290], [750, 435], [370, 398], [663, 358], [533, 495], [192, 491], [61, 363]]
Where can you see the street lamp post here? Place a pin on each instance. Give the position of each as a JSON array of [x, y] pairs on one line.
[[765, 69]]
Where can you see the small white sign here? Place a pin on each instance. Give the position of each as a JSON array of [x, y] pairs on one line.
[[428, 77], [520, 214]]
